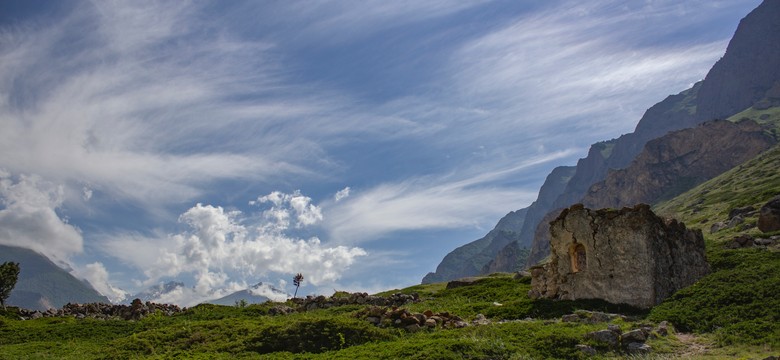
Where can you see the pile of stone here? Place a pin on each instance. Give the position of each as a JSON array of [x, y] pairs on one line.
[[323, 302], [768, 217], [736, 217], [135, 311], [404, 319], [592, 317], [631, 342], [746, 241]]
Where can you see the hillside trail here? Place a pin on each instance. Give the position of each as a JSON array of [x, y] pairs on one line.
[[694, 346]]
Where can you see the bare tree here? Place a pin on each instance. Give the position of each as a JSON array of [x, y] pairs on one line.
[[297, 280]]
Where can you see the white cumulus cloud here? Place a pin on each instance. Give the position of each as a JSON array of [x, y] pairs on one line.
[[97, 275], [29, 217], [222, 246]]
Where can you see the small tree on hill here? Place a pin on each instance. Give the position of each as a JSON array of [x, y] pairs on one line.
[[9, 273], [297, 280]]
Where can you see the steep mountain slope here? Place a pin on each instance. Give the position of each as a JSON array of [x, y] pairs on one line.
[[42, 284], [469, 259], [747, 75], [754, 49]]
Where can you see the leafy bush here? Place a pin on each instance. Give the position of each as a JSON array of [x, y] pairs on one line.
[[738, 301], [315, 335]]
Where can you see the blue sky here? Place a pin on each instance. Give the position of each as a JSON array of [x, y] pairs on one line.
[[226, 143]]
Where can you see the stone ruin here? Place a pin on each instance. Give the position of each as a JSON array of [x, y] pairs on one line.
[[628, 256]]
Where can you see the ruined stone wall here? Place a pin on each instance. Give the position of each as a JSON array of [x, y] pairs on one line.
[[622, 256]]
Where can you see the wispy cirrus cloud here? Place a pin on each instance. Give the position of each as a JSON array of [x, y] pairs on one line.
[[447, 202]]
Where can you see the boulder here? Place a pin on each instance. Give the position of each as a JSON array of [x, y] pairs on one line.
[[769, 217], [468, 281], [604, 336], [626, 256], [633, 336], [638, 348], [743, 211]]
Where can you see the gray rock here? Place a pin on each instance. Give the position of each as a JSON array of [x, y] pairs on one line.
[[735, 221], [604, 336], [718, 226], [638, 348], [570, 318], [633, 336], [468, 281], [769, 218], [480, 320], [743, 211], [614, 328], [599, 317]]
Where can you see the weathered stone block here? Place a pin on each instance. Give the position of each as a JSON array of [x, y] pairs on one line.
[[626, 256]]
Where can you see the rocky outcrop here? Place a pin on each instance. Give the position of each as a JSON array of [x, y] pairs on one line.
[[469, 259], [769, 218], [413, 322], [626, 256], [678, 161]]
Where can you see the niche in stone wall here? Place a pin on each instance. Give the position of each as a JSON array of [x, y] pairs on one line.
[[579, 258]]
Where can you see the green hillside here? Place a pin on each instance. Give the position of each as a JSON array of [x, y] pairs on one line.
[[739, 301]]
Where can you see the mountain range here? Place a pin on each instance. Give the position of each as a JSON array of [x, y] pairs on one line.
[[656, 161]]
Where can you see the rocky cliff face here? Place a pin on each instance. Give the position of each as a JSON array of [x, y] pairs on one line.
[[748, 70], [729, 87], [469, 259], [626, 256], [514, 255], [678, 161]]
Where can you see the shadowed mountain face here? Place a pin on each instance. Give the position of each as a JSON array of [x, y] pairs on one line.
[[42, 284], [747, 75], [469, 259]]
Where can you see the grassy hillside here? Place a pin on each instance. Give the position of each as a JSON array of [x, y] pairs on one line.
[[738, 302]]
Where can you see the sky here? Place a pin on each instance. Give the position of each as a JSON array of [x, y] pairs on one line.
[[226, 143]]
